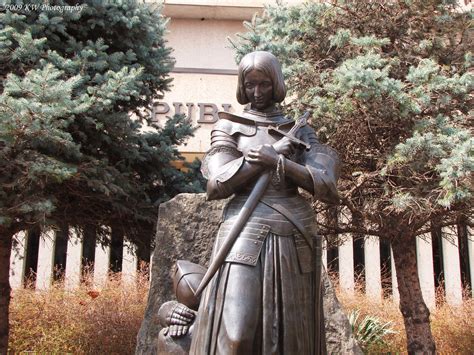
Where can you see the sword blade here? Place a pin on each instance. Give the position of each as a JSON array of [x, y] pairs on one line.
[[241, 220]]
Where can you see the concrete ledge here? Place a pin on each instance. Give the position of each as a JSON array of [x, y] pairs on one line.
[[217, 9], [204, 71], [213, 12]]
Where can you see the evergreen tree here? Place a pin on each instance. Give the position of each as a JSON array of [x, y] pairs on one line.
[[77, 145], [389, 85]]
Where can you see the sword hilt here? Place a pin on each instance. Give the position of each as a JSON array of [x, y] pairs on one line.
[[300, 122], [291, 134]]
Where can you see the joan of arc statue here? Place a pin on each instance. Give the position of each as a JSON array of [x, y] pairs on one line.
[[265, 295]]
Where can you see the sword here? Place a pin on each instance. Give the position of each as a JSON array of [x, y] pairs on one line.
[[288, 135], [244, 214]]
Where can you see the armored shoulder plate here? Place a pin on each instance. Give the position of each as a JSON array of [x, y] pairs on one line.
[[231, 128]]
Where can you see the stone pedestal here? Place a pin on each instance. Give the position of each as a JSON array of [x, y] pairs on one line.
[[186, 229]]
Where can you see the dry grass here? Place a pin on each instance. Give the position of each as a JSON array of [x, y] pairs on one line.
[[452, 327], [385, 310], [80, 321], [84, 321]]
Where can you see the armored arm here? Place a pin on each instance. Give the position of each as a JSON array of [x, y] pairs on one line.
[[224, 166], [317, 170]]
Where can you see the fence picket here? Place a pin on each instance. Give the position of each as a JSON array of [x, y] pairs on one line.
[[451, 265], [17, 261], [324, 255], [346, 264], [44, 275], [395, 293], [424, 255], [470, 248], [373, 286], [73, 260], [101, 265], [373, 278], [129, 263]]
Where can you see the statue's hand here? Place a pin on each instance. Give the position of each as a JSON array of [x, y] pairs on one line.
[[176, 331], [264, 155], [284, 146], [180, 315]]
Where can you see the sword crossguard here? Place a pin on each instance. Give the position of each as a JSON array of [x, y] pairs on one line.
[[290, 137], [302, 121]]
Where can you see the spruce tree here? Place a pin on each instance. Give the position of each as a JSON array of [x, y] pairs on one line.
[[77, 145], [389, 85]]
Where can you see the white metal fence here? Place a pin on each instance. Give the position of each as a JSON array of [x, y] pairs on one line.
[[342, 259]]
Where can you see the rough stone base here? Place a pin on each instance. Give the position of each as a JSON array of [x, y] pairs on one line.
[[186, 228]]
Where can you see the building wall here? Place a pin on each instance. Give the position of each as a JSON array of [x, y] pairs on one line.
[[204, 78], [201, 44], [199, 96]]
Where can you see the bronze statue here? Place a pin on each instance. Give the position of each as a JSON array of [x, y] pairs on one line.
[[262, 290]]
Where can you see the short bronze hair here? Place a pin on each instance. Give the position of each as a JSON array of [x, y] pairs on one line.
[[266, 63]]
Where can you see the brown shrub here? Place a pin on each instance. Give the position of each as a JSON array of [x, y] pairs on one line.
[[85, 320]]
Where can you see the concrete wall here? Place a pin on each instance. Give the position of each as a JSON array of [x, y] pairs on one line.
[[203, 44], [192, 89], [205, 71]]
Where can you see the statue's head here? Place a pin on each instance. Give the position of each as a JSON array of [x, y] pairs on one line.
[[260, 81]]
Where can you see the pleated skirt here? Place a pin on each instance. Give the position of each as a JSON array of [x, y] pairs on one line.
[[270, 308]]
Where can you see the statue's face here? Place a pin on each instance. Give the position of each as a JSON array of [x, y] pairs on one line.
[[259, 89]]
